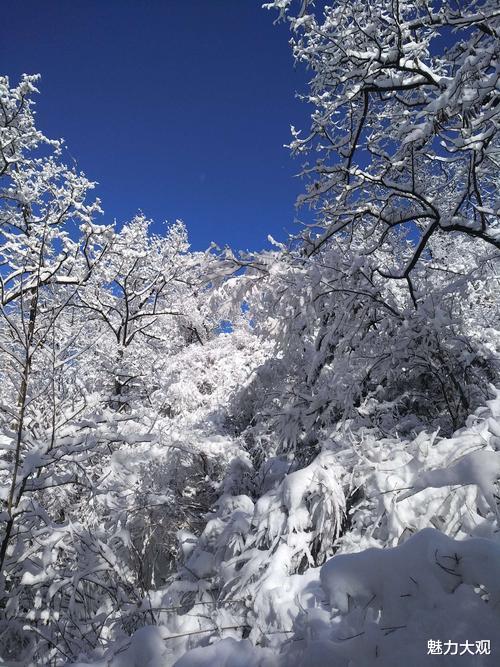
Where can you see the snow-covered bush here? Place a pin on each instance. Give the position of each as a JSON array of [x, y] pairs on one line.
[[369, 603]]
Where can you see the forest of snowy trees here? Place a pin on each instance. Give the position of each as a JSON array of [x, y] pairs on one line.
[[287, 457]]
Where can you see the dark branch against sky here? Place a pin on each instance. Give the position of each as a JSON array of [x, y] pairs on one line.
[[178, 108]]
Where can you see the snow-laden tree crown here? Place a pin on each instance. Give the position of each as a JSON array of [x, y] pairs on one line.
[[288, 457]]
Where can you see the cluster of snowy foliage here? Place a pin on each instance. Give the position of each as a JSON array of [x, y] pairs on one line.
[[288, 457], [418, 558]]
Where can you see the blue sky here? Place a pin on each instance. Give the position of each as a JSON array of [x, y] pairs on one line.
[[178, 108]]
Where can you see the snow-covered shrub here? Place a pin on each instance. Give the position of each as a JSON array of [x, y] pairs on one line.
[[243, 564], [395, 583], [448, 483]]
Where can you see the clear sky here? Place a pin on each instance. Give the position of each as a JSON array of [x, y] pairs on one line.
[[178, 108]]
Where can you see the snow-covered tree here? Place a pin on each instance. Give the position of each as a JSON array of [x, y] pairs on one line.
[[405, 130], [148, 299], [40, 199], [47, 232]]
